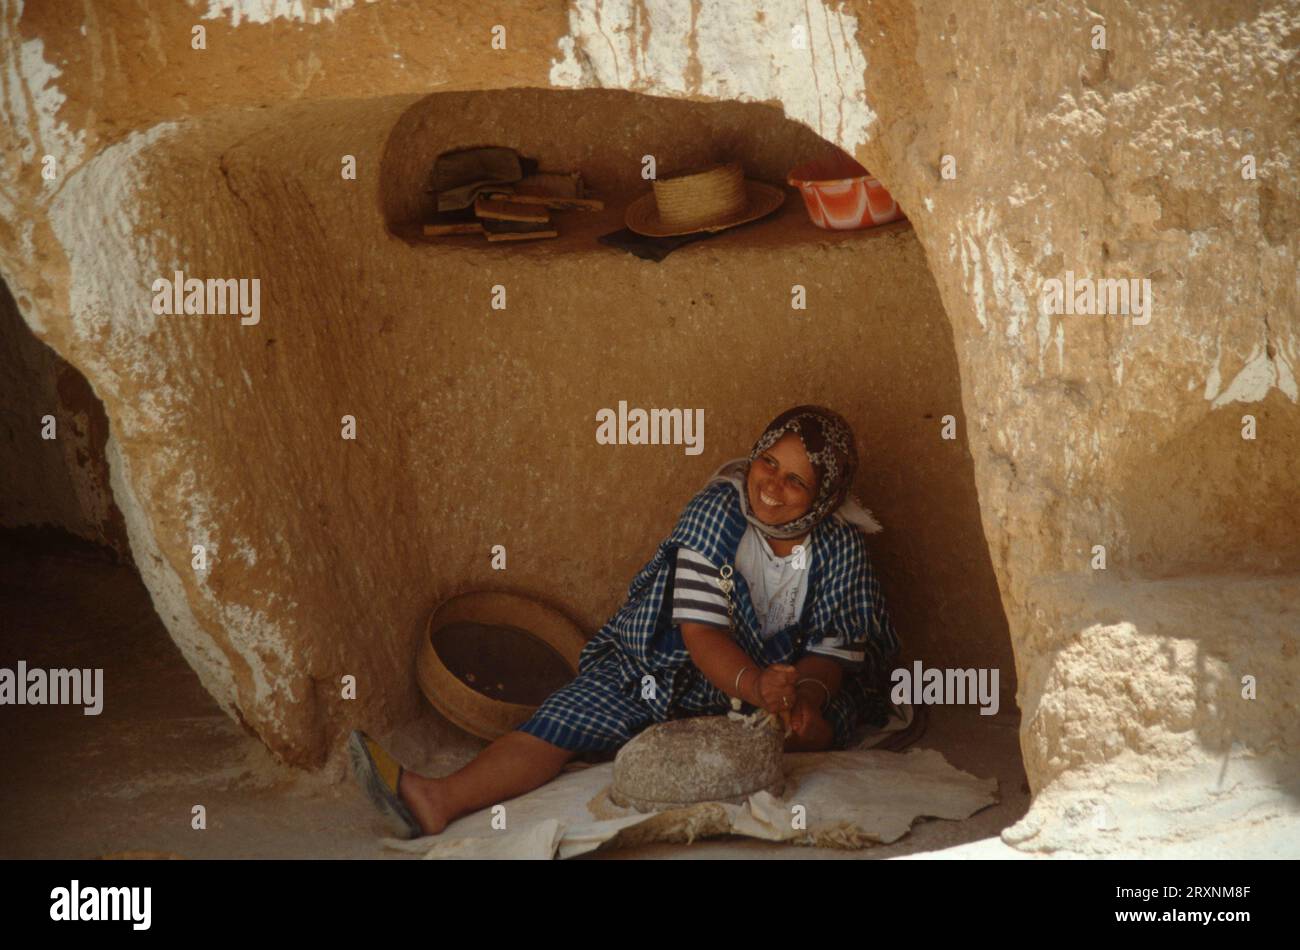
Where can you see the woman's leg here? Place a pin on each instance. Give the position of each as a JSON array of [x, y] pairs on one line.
[[512, 765], [595, 712]]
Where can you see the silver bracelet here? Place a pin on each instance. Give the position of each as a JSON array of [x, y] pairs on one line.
[[736, 685], [813, 679]]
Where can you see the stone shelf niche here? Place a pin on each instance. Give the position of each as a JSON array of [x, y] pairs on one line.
[[604, 134]]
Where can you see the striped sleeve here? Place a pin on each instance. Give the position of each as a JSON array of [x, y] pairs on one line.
[[860, 634], [836, 648], [696, 595]]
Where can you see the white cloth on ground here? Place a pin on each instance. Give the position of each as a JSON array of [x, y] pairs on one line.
[[850, 800]]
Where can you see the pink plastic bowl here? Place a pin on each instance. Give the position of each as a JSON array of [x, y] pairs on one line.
[[841, 195]]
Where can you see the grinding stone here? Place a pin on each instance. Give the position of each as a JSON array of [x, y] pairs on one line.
[[705, 759]]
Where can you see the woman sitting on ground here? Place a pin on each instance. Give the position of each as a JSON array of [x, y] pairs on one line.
[[763, 592]]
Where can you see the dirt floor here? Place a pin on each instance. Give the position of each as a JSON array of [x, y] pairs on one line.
[[77, 786]]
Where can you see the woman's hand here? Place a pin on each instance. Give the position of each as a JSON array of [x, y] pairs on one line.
[[805, 712], [812, 733], [776, 689]]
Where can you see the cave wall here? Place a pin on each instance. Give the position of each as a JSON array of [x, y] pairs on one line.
[[1122, 161], [60, 484]]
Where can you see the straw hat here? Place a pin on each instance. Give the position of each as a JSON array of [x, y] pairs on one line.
[[710, 200], [484, 652]]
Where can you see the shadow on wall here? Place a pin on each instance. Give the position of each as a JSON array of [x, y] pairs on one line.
[[1220, 496], [52, 434]]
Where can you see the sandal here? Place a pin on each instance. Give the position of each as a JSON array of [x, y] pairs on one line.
[[380, 776]]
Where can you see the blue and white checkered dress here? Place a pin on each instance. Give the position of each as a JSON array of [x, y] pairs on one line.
[[637, 671]]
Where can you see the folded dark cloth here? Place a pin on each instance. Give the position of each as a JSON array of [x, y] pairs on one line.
[[459, 176], [650, 248]]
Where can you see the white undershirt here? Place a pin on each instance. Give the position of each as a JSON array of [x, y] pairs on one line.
[[777, 587]]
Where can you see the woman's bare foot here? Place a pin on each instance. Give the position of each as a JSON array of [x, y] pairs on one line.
[[426, 798], [512, 765]]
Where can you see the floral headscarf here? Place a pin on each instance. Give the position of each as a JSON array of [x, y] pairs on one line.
[[829, 442]]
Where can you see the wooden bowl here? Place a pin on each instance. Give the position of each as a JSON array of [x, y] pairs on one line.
[[489, 659]]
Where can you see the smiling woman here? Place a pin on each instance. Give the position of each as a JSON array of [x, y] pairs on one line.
[[801, 632], [782, 484]]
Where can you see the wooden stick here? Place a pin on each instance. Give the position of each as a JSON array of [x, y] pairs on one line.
[[509, 210], [459, 227], [528, 236], [516, 230], [554, 202]]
